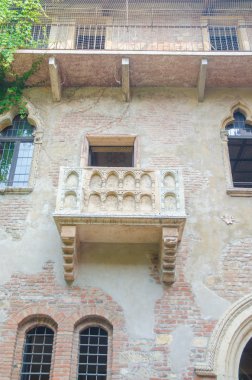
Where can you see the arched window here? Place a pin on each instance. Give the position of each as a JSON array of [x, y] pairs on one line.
[[245, 368], [16, 149], [240, 150], [93, 353], [37, 354]]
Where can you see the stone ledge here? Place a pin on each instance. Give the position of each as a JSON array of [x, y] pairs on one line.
[[239, 192], [16, 190]]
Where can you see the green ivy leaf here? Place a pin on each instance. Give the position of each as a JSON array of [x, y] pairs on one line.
[[17, 18]]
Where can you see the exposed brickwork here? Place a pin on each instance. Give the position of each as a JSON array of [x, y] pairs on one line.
[[234, 278], [14, 211], [177, 307], [40, 297]]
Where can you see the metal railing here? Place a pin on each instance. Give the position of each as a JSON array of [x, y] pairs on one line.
[[171, 25], [72, 36]]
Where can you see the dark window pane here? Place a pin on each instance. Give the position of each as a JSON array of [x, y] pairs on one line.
[[240, 152], [83, 349], [103, 359], [103, 340], [111, 156], [93, 349], [92, 359]]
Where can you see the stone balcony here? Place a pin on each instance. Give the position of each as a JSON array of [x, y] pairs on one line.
[[120, 205]]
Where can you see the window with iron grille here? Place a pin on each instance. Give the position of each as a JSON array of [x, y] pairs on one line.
[[16, 149], [223, 38], [37, 354], [240, 150], [40, 34], [89, 37], [93, 354]]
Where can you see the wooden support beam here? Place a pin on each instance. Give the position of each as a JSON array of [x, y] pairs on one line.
[[125, 79], [55, 79], [202, 80]]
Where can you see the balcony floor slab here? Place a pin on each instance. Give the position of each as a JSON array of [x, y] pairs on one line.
[[152, 68]]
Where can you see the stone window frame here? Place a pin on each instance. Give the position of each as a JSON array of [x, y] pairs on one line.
[[33, 119], [83, 323], [228, 21], [231, 190], [109, 140], [25, 326]]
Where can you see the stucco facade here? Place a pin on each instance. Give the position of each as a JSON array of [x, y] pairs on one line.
[[193, 327]]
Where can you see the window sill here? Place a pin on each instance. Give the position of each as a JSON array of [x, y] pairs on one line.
[[15, 190], [239, 192]]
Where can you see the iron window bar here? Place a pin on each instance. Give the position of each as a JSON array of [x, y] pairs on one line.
[[224, 38], [40, 35], [37, 354], [93, 352], [90, 37]]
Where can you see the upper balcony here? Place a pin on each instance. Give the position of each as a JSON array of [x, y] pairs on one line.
[[168, 43], [120, 205]]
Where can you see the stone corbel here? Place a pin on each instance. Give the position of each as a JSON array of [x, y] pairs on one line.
[[169, 245], [70, 247]]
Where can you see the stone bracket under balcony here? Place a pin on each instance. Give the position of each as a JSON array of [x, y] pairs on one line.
[[120, 205]]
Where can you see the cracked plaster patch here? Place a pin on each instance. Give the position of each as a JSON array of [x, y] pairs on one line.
[[180, 348]]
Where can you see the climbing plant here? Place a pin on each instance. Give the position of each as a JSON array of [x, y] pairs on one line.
[[17, 18]]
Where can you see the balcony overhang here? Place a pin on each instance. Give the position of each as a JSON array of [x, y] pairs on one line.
[[120, 229], [120, 205], [146, 68]]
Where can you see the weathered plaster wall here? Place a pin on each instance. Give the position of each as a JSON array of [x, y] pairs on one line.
[[214, 258]]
